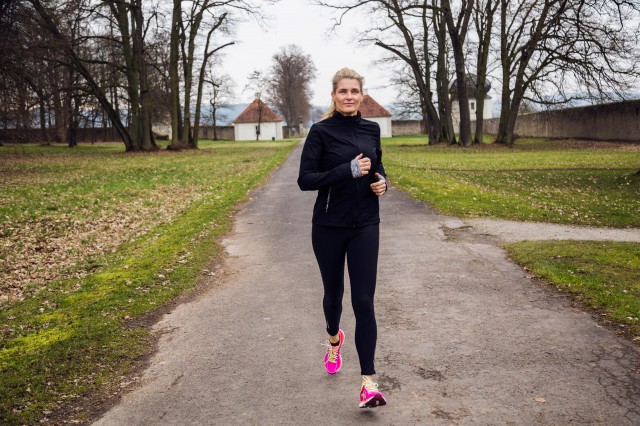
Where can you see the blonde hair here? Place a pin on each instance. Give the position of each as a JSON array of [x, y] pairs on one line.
[[341, 75]]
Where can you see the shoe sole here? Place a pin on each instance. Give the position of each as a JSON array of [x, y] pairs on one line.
[[375, 401]]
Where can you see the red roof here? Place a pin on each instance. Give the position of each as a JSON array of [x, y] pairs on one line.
[[370, 108], [250, 114]]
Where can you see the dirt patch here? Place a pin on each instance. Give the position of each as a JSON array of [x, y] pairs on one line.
[[595, 144], [467, 234]]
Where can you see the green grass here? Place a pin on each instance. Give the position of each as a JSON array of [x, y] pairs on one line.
[[535, 180], [578, 183], [604, 276], [64, 338]]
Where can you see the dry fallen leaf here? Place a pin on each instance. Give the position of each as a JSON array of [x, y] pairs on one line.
[[539, 399]]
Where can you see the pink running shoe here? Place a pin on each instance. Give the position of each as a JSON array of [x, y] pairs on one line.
[[370, 396], [333, 359]]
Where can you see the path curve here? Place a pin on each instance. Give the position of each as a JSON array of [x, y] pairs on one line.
[[464, 336], [510, 231]]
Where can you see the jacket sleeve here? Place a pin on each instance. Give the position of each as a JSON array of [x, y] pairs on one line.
[[310, 177], [379, 167]]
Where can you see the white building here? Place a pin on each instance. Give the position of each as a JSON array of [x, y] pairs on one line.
[[487, 110], [257, 120], [372, 110]]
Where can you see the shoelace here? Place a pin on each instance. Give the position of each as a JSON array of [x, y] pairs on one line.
[[370, 386], [333, 352]]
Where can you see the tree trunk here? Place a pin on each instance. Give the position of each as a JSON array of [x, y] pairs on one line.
[[447, 134], [484, 34], [43, 121], [463, 95], [196, 118], [146, 133], [215, 123], [506, 75], [58, 109], [72, 140], [509, 134], [177, 140]]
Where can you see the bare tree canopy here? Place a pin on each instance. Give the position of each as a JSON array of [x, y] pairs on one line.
[[123, 64], [556, 51], [547, 52], [220, 93], [289, 86]]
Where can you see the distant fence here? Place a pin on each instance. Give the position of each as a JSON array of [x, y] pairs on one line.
[[37, 135], [618, 121], [407, 127]]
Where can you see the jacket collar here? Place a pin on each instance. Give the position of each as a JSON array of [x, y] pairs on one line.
[[338, 117]]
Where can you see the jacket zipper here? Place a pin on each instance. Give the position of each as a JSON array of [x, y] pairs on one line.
[[356, 210], [326, 210]]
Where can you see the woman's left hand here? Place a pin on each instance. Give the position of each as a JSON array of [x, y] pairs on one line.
[[379, 187]]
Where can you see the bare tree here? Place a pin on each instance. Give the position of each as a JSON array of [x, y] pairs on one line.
[[402, 28], [257, 84], [457, 33], [555, 51], [130, 21], [208, 52], [157, 53], [220, 95], [289, 87], [443, 76], [189, 17], [134, 141], [483, 19], [189, 26], [408, 102], [108, 46]]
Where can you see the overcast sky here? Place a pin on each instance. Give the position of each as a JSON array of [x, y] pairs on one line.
[[298, 22]]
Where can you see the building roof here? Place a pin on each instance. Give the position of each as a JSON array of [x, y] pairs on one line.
[[370, 108], [251, 113]]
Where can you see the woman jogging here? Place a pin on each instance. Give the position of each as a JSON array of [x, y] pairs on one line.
[[342, 160]]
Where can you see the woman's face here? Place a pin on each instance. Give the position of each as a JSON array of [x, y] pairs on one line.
[[347, 96]]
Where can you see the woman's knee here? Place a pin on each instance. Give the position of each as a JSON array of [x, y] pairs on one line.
[[332, 303], [363, 307]]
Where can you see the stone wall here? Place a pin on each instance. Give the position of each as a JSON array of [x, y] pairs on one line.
[[619, 121], [223, 132], [407, 127]]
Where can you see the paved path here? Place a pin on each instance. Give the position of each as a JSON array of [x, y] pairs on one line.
[[464, 337]]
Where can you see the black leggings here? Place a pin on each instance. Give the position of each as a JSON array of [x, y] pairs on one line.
[[330, 244]]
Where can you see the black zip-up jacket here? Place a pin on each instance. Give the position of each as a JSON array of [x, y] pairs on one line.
[[325, 166]]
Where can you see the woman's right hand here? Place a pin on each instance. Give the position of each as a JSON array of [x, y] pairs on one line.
[[364, 164]]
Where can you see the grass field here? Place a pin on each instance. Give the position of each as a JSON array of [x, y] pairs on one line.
[[593, 184], [91, 240], [566, 182]]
